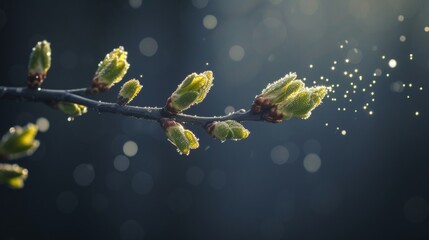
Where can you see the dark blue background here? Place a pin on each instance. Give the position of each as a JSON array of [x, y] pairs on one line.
[[373, 183]]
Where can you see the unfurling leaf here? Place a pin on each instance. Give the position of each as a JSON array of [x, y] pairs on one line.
[[39, 64], [191, 91], [19, 142], [303, 103], [287, 98], [228, 129], [72, 109], [13, 175], [110, 71], [129, 91], [180, 137]]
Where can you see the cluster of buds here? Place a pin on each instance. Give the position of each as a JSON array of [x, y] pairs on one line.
[[228, 129], [180, 137], [129, 91], [286, 98], [13, 175], [39, 64], [110, 71], [19, 142], [72, 109], [191, 91]]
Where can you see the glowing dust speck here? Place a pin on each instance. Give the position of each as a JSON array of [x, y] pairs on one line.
[[343, 132], [371, 112], [311, 66], [402, 38], [411, 56], [417, 113], [427, 29], [401, 18]]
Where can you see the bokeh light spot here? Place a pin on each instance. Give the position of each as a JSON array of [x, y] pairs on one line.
[[397, 86], [279, 155], [229, 109], [392, 63], [312, 163], [121, 163], [43, 124], [148, 46], [210, 22], [84, 174], [236, 53], [135, 3], [130, 148]]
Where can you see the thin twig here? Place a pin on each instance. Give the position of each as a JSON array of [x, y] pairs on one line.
[[149, 113], [78, 91]]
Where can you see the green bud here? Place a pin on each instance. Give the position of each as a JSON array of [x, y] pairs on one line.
[[303, 103], [191, 91], [290, 90], [228, 129], [72, 109], [13, 175], [182, 138], [110, 71], [287, 98], [277, 89], [39, 64], [19, 142], [129, 91]]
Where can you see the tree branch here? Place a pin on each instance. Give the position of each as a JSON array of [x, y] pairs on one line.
[[149, 113]]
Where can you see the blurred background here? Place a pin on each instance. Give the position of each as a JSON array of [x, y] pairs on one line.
[[358, 168]]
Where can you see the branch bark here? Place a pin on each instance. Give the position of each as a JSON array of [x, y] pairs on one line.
[[148, 113]]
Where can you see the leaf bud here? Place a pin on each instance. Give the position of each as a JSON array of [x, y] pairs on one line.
[[191, 91], [129, 91], [72, 109], [180, 137], [228, 129], [110, 71], [39, 64]]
